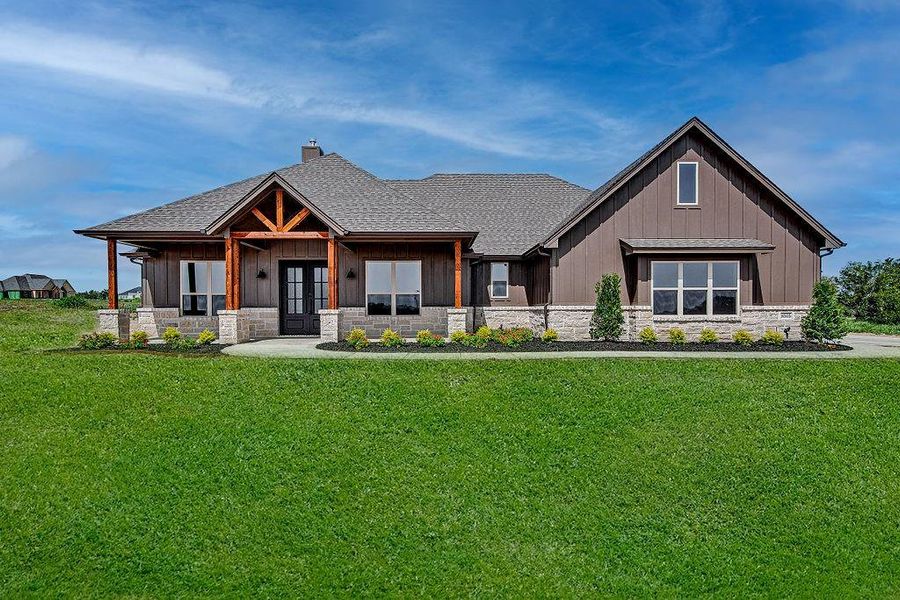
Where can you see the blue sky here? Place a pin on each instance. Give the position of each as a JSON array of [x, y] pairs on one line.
[[107, 109]]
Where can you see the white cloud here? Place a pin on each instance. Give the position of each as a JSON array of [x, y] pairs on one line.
[[13, 149]]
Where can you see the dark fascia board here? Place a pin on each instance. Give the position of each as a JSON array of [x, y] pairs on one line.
[[238, 208], [831, 240], [434, 236], [762, 249]]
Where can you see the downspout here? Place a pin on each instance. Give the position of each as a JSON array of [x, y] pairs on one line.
[[828, 252]]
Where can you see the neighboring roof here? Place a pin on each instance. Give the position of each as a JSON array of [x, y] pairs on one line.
[[511, 213], [134, 290], [669, 245], [28, 282], [606, 190]]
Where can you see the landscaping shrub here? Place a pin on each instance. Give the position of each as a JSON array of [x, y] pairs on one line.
[[742, 337], [484, 332], [425, 338], [825, 319], [607, 322], [357, 338], [206, 337], [71, 302], [772, 337], [459, 337], [677, 336], [514, 337], [171, 335], [183, 343], [139, 339], [98, 341], [550, 335], [708, 336], [647, 335], [391, 338]]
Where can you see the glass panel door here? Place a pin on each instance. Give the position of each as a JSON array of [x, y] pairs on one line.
[[294, 290], [320, 288]]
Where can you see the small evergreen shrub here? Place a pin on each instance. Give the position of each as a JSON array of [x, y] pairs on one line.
[[183, 343], [425, 338], [550, 335], [772, 337], [742, 337], [459, 337], [171, 335], [206, 337], [391, 338], [139, 339], [677, 336], [607, 322], [825, 319], [357, 338], [479, 341], [71, 302], [514, 337], [98, 341], [484, 332], [647, 335], [708, 336]]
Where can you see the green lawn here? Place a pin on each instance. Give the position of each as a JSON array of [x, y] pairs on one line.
[[867, 327], [166, 476]]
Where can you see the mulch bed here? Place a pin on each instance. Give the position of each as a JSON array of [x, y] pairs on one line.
[[539, 346], [206, 350]]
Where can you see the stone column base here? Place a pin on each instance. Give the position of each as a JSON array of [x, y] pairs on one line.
[[459, 319], [234, 328], [114, 321], [330, 324]]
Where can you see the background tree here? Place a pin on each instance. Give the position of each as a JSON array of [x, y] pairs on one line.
[[608, 322], [870, 291], [825, 319]]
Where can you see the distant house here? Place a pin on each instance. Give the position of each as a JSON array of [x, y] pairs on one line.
[[32, 285], [131, 294]]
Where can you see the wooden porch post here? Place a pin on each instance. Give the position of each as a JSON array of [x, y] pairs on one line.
[[457, 275], [229, 276], [112, 270], [236, 275], [332, 274]]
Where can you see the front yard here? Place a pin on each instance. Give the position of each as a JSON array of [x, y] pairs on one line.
[[165, 475]]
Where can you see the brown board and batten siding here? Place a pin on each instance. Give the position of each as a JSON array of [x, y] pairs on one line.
[[732, 204], [161, 274], [529, 282]]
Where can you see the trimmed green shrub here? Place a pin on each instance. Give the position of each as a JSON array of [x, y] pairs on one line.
[[772, 337], [98, 341], [459, 337], [514, 337], [708, 336], [139, 339], [550, 335], [425, 338], [206, 337], [357, 338], [183, 343], [647, 335], [677, 336], [742, 337], [825, 319], [607, 322], [171, 335], [484, 332], [71, 302], [391, 338]]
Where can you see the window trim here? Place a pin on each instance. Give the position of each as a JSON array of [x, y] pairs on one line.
[[696, 201], [680, 287], [393, 292], [491, 277], [209, 291]]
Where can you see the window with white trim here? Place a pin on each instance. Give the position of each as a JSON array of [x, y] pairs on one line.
[[688, 183], [202, 287], [694, 288], [499, 280], [393, 287]]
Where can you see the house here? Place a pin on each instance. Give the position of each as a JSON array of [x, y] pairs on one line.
[[31, 285], [131, 294], [700, 237]]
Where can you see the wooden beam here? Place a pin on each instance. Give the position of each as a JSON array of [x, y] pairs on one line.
[[332, 274], [279, 209], [457, 274], [229, 274], [236, 277], [112, 273], [298, 218], [286, 235], [265, 220]]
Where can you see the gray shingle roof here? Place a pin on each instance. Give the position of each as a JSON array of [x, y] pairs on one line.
[[673, 244], [511, 213], [27, 282]]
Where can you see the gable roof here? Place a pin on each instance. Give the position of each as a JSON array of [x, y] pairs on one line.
[[28, 282], [511, 213], [606, 190]]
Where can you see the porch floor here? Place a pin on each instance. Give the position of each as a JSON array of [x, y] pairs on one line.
[[864, 346]]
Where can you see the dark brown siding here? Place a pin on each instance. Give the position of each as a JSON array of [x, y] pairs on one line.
[[529, 283], [732, 205], [160, 275]]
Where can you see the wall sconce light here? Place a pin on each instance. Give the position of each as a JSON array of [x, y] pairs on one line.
[[261, 274], [351, 274]]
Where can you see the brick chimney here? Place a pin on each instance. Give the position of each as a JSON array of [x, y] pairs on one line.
[[311, 151]]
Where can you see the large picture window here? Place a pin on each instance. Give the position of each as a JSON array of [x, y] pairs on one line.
[[499, 280], [202, 287], [695, 288], [393, 287]]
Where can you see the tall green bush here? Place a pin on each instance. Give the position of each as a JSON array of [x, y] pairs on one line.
[[870, 291], [608, 322], [825, 319]]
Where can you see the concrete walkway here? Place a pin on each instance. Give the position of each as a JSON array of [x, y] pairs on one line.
[[864, 346]]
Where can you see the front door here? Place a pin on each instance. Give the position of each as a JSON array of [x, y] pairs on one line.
[[304, 292]]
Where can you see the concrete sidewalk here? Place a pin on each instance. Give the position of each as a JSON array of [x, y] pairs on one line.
[[864, 346]]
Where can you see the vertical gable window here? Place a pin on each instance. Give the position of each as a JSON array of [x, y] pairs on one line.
[[393, 287], [202, 287], [688, 183], [499, 280]]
